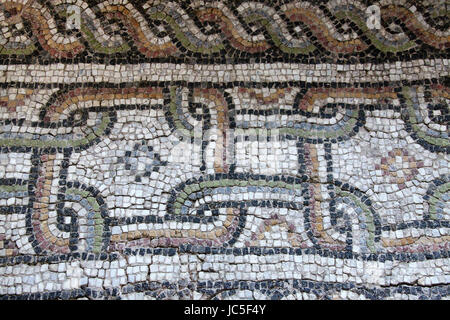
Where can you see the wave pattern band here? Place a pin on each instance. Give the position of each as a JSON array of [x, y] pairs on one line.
[[302, 31]]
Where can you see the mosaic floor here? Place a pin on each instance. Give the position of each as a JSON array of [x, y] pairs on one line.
[[224, 149]]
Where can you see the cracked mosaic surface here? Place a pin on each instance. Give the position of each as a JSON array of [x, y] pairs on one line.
[[224, 150]]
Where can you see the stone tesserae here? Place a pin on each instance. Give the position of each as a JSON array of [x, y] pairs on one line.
[[224, 150]]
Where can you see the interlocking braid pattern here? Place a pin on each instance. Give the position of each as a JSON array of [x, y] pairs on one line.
[[149, 30], [224, 149]]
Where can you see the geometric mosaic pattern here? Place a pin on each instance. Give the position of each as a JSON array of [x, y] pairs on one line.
[[224, 150]]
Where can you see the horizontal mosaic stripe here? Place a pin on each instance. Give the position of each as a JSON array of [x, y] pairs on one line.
[[302, 31]]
